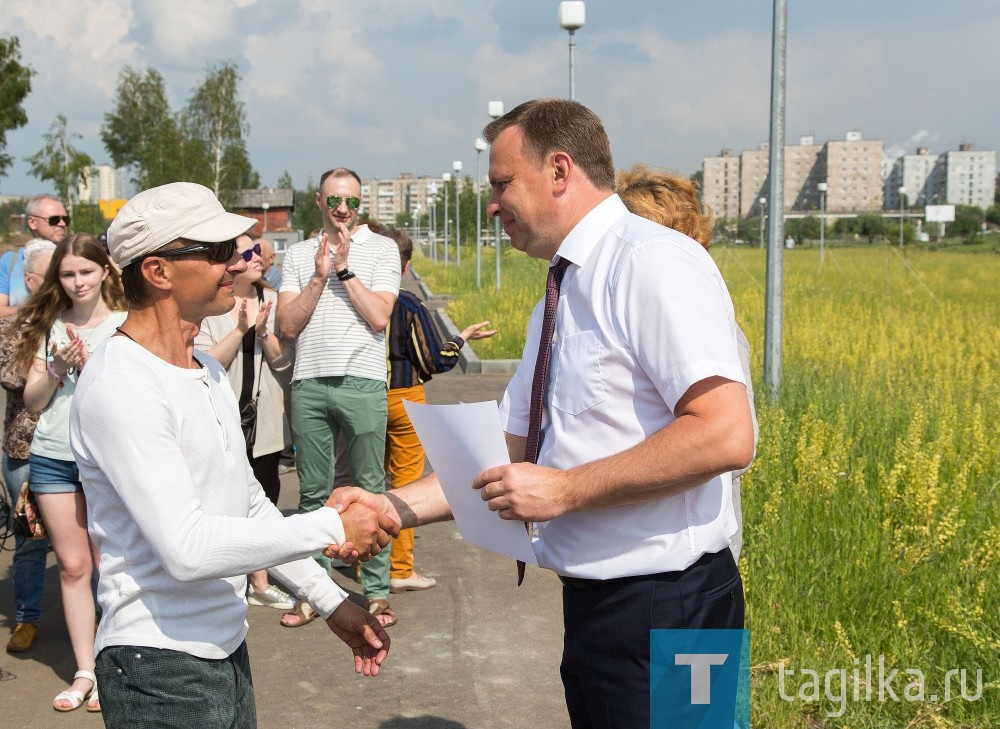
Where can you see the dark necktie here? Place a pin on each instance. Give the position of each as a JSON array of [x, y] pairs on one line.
[[540, 380]]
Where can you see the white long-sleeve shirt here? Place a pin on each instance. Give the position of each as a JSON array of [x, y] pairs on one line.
[[174, 508]]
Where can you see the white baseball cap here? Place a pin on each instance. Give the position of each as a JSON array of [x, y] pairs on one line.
[[161, 215]]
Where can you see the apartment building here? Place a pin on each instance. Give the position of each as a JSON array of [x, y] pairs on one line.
[[803, 172], [921, 175], [753, 179], [385, 199], [103, 182], [969, 176], [722, 194], [853, 174]]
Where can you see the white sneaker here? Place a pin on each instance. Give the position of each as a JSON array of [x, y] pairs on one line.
[[272, 597], [415, 581]]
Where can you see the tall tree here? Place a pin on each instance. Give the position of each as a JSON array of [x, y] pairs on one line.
[[217, 119], [285, 181], [60, 162], [142, 133], [15, 85]]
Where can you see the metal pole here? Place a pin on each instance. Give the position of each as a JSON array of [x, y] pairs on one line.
[[446, 181], [479, 216], [458, 220], [902, 194], [822, 221], [774, 296], [572, 68]]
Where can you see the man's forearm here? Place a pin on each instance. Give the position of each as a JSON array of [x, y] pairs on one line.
[[375, 308], [294, 313], [421, 502]]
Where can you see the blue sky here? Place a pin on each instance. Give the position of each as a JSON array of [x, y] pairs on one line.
[[391, 86]]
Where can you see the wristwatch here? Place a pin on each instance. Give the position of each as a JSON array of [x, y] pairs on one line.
[[345, 274]]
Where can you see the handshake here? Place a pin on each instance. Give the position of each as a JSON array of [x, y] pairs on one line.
[[370, 520]]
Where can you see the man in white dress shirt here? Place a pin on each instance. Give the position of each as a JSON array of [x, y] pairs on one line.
[[173, 505], [645, 416]]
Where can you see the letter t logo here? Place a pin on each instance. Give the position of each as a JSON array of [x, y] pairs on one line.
[[701, 673]]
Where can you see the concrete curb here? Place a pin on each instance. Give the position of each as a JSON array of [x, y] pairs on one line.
[[467, 359]]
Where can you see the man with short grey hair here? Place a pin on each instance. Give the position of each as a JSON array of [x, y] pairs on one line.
[[47, 220]]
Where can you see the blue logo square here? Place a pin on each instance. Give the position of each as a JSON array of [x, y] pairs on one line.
[[699, 679]]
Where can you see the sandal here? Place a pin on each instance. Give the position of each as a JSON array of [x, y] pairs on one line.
[[94, 703], [302, 613], [378, 607], [75, 698]]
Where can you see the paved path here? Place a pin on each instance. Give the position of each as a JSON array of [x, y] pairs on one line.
[[474, 652]]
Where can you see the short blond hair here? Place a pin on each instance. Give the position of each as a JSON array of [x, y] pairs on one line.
[[666, 198]]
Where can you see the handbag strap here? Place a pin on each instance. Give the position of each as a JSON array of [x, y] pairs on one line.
[[249, 349]]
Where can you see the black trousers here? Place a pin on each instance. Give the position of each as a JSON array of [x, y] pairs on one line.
[[605, 664]]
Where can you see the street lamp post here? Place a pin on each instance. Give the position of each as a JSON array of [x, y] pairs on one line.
[[902, 196], [480, 148], [822, 219], [265, 206], [495, 110], [447, 178], [457, 166], [572, 15], [763, 214], [432, 234]]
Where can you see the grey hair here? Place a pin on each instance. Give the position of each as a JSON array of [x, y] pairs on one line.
[[33, 250], [32, 206]]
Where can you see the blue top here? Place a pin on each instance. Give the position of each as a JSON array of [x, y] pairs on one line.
[[12, 277]]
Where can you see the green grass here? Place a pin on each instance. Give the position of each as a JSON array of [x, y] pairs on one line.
[[872, 511]]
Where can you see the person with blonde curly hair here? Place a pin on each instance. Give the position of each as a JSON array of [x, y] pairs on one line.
[[672, 200], [76, 307]]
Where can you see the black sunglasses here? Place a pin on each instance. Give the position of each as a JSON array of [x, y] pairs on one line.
[[53, 219], [334, 201], [248, 253], [217, 252]]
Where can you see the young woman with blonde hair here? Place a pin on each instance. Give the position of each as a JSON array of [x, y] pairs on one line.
[[77, 306]]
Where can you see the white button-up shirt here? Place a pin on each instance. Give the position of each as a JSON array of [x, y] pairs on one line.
[[643, 315]]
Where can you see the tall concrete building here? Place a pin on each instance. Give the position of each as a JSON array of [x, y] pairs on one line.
[[386, 199], [103, 182], [721, 185], [970, 176], [853, 174], [753, 179], [803, 171], [920, 174]]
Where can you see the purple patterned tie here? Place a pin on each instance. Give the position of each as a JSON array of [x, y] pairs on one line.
[[533, 442]]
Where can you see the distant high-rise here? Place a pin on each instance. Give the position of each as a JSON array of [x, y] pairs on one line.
[[103, 182]]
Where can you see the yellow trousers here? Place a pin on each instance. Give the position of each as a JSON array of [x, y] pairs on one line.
[[404, 462]]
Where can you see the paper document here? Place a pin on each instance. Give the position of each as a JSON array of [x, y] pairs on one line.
[[462, 441]]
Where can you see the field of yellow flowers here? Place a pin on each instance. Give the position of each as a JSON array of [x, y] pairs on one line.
[[872, 511]]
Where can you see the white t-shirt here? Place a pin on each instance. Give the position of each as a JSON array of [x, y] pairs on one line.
[[51, 437], [174, 508], [643, 315], [337, 341]]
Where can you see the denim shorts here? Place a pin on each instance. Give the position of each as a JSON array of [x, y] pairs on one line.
[[53, 476]]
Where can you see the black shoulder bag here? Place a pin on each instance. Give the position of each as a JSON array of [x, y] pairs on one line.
[[248, 404]]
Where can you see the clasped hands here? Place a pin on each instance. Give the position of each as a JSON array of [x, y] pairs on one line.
[[517, 492]]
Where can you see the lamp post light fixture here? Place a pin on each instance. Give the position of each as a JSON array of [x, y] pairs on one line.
[[902, 196], [572, 15], [457, 166], [763, 214], [495, 110], [265, 206], [432, 233], [480, 148], [822, 187], [447, 178]]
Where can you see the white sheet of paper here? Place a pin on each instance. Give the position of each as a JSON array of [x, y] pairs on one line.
[[461, 441]]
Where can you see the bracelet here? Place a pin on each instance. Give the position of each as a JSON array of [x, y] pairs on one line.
[[345, 275], [264, 336], [50, 367]]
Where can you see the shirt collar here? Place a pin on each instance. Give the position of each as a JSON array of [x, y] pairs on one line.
[[587, 234]]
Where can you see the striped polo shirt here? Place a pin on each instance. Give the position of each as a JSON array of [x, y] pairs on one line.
[[337, 341]]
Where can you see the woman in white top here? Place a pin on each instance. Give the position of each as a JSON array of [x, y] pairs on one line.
[[77, 306], [259, 364]]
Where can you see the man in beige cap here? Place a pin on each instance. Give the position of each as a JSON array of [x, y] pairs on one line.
[[173, 506]]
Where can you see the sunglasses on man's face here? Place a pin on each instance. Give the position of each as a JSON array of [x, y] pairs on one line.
[[53, 219], [249, 253], [216, 252], [334, 201]]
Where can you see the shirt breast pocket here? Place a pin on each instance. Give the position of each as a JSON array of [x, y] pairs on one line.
[[576, 383]]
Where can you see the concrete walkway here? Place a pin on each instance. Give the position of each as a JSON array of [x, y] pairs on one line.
[[474, 652]]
